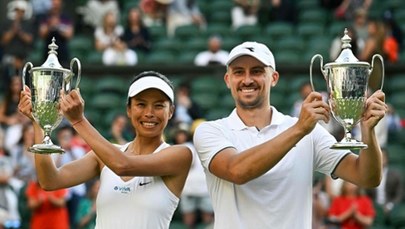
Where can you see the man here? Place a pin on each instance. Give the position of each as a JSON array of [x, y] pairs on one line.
[[259, 163], [214, 55], [390, 192], [57, 24]]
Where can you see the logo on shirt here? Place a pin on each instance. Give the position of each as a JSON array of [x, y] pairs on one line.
[[144, 183], [122, 189]]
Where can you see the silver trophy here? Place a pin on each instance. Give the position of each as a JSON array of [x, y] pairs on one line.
[[347, 84], [46, 83]]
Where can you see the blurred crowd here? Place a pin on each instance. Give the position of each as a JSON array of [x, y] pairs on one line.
[[120, 35]]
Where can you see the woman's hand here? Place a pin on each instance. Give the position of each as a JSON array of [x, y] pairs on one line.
[[25, 105], [72, 106]]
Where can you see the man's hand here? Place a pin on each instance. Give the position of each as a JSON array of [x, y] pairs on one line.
[[313, 110], [375, 109]]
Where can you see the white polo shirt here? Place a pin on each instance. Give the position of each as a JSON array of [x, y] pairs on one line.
[[282, 197]]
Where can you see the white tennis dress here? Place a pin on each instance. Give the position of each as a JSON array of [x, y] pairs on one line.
[[142, 202]]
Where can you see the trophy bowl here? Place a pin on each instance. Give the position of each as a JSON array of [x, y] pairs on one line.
[[46, 83], [347, 84]]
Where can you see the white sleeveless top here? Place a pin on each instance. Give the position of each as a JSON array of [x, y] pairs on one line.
[[141, 202]]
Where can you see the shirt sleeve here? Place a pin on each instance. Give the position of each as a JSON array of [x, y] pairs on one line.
[[209, 139], [325, 158]]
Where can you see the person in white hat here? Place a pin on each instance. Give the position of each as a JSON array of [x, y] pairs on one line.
[[142, 180], [16, 32], [259, 163]]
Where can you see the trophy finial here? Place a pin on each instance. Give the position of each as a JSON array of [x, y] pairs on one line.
[[346, 55], [52, 46], [52, 60], [346, 40]]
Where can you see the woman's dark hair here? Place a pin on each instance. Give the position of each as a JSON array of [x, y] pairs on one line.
[[147, 74]]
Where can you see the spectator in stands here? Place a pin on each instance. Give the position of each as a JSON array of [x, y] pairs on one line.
[[346, 10], [245, 12], [64, 135], [23, 160], [214, 55], [320, 204], [147, 173], [118, 133], [393, 28], [94, 11], [108, 41], [187, 110], [48, 207], [393, 120], [10, 119], [136, 34], [195, 202], [374, 45], [330, 4], [393, 38], [9, 215], [40, 10], [87, 211], [78, 141], [26, 6], [17, 33], [351, 209], [184, 12], [259, 163], [390, 192], [336, 46], [57, 24], [154, 12], [277, 11], [360, 28]]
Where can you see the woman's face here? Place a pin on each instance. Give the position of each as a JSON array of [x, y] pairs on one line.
[[110, 20], [16, 85], [372, 27], [134, 16], [150, 112]]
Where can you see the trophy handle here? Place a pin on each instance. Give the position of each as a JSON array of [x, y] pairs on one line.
[[79, 70], [27, 67], [382, 68], [310, 69]]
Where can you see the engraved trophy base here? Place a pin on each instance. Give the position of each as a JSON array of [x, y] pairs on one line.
[[350, 144], [45, 149]]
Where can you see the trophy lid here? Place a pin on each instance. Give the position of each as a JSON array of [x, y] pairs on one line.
[[346, 56], [52, 61]]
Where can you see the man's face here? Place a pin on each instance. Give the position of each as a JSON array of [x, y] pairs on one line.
[[250, 81]]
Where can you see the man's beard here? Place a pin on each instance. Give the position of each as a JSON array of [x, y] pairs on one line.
[[258, 102]]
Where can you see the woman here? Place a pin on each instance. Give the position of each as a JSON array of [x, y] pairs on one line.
[[10, 120], [108, 41], [352, 210], [23, 160], [141, 181], [136, 34], [48, 209], [86, 215]]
